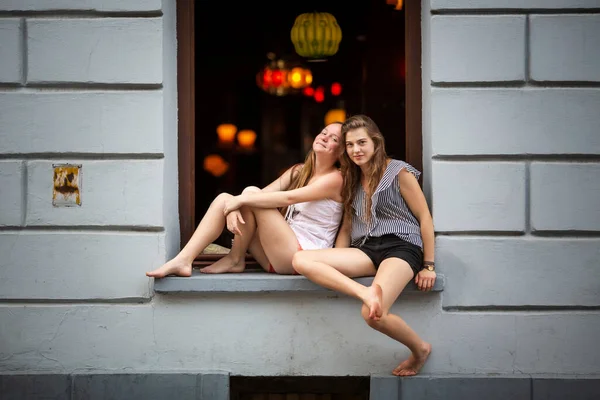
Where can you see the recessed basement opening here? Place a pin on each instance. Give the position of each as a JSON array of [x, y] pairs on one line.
[[299, 388]]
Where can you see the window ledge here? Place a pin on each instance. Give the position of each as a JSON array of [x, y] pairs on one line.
[[262, 282]]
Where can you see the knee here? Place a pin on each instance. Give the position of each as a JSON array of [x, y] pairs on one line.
[[222, 197], [251, 189], [300, 261], [364, 312]]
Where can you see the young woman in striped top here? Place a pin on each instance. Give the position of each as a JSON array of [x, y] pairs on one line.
[[387, 231]]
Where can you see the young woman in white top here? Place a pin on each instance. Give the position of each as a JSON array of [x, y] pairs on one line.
[[310, 194], [387, 233]]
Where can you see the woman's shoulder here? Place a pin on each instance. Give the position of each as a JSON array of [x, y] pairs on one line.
[[397, 166]]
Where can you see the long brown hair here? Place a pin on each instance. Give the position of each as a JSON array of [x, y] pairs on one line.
[[302, 173], [352, 172]]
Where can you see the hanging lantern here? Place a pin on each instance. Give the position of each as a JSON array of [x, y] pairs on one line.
[[246, 138], [397, 3], [300, 78], [280, 78], [226, 133], [316, 35], [215, 165], [335, 115]]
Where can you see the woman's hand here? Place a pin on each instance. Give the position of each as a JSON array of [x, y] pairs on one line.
[[232, 204], [425, 280], [235, 218]]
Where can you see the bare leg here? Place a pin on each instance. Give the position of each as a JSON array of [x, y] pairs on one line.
[[393, 275], [235, 261], [334, 268], [278, 241], [208, 230]]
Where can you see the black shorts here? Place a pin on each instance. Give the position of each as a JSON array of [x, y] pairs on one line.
[[388, 246]]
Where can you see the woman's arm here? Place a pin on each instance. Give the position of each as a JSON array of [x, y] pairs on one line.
[[328, 186], [415, 199], [343, 236]]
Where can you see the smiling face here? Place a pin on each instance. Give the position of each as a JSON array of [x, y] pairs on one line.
[[329, 140], [359, 146]]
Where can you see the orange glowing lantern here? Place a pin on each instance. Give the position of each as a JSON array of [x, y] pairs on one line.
[[226, 133], [397, 3], [335, 115], [215, 165], [300, 77], [280, 77], [246, 138]]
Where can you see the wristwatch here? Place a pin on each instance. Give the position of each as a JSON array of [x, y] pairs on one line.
[[429, 265]]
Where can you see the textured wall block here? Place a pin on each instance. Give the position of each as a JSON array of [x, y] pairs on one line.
[[123, 193], [11, 192], [477, 48], [512, 4], [519, 271], [135, 386], [474, 387], [78, 265], [107, 50], [560, 387], [35, 386], [478, 196], [565, 47], [44, 122], [515, 121], [565, 196], [85, 5], [11, 52]]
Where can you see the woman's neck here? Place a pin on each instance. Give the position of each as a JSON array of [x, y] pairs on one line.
[[322, 167]]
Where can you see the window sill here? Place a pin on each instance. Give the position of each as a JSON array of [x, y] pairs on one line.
[[253, 282]]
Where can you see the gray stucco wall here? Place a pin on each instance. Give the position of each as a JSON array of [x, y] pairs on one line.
[[509, 133]]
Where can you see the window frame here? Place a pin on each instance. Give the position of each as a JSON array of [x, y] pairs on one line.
[[187, 121]]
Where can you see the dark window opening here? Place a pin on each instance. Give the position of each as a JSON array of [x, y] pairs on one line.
[[220, 53], [299, 388]]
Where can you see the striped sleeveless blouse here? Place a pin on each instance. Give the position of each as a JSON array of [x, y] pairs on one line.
[[389, 212]]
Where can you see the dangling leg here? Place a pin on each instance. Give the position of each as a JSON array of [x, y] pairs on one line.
[[208, 230], [393, 275]]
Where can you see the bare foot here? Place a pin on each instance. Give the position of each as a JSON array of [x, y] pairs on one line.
[[225, 264], [413, 364], [173, 267], [373, 301]]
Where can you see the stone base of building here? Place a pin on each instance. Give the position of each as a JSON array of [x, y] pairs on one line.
[[217, 386]]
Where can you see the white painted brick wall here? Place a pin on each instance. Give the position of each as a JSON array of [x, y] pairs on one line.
[[515, 121], [78, 265], [81, 122], [11, 193], [512, 4], [519, 271], [106, 50], [565, 196], [477, 48], [474, 196], [11, 54], [156, 337], [85, 5], [116, 192], [565, 47]]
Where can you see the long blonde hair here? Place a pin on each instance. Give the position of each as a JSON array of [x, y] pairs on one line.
[[352, 172], [301, 178]]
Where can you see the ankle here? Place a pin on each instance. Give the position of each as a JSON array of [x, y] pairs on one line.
[[184, 259]]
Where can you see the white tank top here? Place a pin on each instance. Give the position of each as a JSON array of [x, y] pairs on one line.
[[315, 223]]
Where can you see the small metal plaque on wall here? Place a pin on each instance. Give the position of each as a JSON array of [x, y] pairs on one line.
[[67, 185]]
